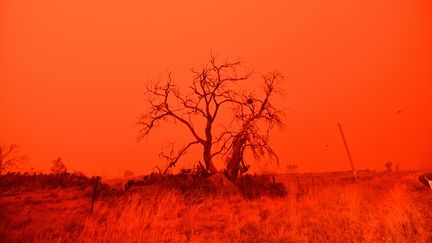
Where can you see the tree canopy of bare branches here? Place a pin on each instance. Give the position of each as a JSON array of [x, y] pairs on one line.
[[257, 116], [216, 88], [9, 158]]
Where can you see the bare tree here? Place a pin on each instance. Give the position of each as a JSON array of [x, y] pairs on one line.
[[9, 158], [58, 167], [257, 116], [214, 88]]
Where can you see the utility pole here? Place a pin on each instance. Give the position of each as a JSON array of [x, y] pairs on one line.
[[347, 151]]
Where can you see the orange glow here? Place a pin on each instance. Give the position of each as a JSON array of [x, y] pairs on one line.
[[71, 76]]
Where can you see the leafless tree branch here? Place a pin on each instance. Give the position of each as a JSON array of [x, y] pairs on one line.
[[9, 158], [214, 87]]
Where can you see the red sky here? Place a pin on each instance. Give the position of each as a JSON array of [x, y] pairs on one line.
[[72, 74]]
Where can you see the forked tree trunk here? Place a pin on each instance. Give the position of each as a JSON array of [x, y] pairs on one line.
[[233, 165]]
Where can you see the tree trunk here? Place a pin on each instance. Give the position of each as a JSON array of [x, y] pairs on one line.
[[207, 158], [234, 161], [208, 147]]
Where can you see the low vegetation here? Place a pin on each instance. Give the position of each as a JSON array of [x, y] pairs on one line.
[[315, 207], [199, 182]]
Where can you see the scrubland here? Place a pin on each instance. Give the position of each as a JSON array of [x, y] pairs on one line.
[[317, 208]]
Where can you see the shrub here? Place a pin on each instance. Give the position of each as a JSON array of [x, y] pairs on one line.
[[194, 181], [255, 186]]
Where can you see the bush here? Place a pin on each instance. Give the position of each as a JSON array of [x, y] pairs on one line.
[[194, 181], [255, 186], [41, 180], [187, 181], [58, 167]]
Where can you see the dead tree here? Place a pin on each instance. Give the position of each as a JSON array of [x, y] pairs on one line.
[[213, 88], [216, 89], [257, 116], [9, 158]]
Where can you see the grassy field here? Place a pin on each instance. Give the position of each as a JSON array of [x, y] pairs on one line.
[[318, 208]]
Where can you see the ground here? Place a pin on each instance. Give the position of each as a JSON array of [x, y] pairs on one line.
[[319, 207]]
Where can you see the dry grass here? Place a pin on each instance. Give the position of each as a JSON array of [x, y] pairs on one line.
[[384, 209]]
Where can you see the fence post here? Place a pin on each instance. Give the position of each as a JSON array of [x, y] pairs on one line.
[[94, 193]]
